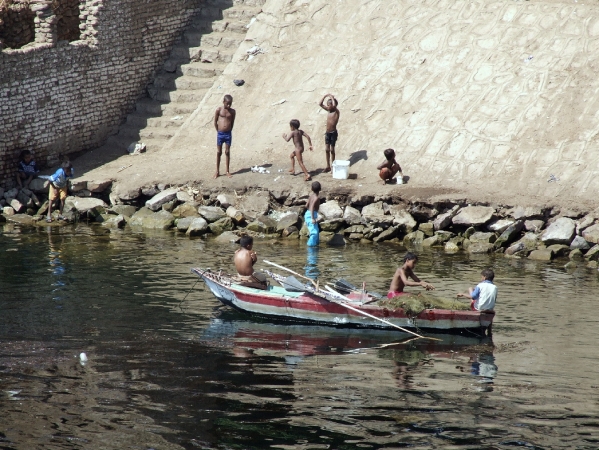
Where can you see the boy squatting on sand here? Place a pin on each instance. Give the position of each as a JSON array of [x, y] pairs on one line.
[[224, 120], [26, 169], [297, 135], [331, 135], [402, 274], [389, 168], [244, 260]]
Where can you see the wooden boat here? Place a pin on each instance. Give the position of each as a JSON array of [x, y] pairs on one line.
[[310, 304]]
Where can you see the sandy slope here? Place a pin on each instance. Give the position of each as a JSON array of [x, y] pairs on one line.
[[483, 100]]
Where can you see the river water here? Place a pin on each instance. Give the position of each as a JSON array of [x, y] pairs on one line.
[[167, 370]]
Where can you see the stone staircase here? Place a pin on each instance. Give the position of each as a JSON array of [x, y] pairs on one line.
[[206, 47]]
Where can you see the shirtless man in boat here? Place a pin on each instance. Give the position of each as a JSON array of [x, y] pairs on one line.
[[402, 274], [244, 259]]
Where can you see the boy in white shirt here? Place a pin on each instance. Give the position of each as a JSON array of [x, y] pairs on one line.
[[484, 295]]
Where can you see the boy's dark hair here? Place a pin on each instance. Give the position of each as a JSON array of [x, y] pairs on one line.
[[488, 274], [24, 154], [66, 165], [228, 98], [389, 153], [410, 257], [316, 187], [246, 240], [295, 123]]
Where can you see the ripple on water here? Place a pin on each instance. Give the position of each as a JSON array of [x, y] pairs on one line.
[[169, 371]]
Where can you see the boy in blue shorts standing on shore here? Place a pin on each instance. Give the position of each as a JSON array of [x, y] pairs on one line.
[[224, 119]]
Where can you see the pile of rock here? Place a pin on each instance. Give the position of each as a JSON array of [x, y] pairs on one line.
[[536, 233]]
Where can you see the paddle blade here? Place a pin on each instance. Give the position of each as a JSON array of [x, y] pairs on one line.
[[292, 284]]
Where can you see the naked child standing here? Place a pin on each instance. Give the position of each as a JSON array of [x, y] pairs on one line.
[[330, 137], [224, 120]]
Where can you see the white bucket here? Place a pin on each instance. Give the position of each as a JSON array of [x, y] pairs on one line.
[[340, 169]]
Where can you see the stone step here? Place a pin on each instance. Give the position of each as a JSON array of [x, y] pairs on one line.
[[173, 81], [217, 26], [237, 28], [217, 55], [179, 108], [211, 13], [166, 121], [220, 40], [138, 120], [202, 70], [177, 95], [149, 107], [183, 52], [241, 13]]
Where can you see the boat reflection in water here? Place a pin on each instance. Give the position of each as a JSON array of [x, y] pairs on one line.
[[295, 342]]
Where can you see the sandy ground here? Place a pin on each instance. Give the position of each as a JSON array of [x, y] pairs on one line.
[[485, 101]]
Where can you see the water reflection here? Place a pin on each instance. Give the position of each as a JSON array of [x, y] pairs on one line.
[[311, 268]]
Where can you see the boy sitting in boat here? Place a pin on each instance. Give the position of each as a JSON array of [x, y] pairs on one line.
[[244, 259], [402, 274], [484, 295]]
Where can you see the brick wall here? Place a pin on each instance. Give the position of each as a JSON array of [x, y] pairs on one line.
[[58, 97]]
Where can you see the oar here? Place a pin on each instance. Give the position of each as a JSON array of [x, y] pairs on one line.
[[364, 313], [291, 271]]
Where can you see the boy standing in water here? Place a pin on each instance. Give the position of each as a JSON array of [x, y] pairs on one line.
[[297, 135], [311, 215], [224, 119], [389, 168], [402, 274], [330, 137], [58, 188]]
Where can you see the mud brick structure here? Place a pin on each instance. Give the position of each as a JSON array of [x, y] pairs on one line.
[[71, 70]]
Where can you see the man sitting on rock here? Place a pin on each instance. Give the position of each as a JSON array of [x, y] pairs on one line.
[[245, 258]]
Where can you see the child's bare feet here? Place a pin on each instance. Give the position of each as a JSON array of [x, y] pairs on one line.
[[216, 175], [291, 171], [328, 169], [228, 174], [307, 178]]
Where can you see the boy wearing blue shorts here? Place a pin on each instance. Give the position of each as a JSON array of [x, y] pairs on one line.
[[224, 119]]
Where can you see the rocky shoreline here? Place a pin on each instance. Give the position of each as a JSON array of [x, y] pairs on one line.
[[518, 232]]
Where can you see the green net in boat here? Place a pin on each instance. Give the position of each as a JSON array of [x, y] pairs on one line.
[[414, 304]]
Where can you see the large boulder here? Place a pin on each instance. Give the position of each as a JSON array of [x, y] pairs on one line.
[[39, 185], [330, 210], [473, 216], [83, 205], [335, 241], [227, 237], [375, 213], [423, 213], [288, 219], [127, 194], [98, 186], [183, 223], [255, 205], [352, 216], [560, 232], [221, 225], [579, 243], [197, 227], [115, 222], [480, 247], [146, 218], [591, 234], [17, 205], [388, 234], [524, 246], [526, 213], [236, 215], [185, 197], [544, 254], [533, 225], [479, 236], [211, 213], [559, 250], [125, 210], [591, 255], [442, 221], [226, 200], [428, 228], [510, 234], [185, 210], [402, 218], [413, 239], [499, 226], [263, 224], [331, 225], [156, 202]]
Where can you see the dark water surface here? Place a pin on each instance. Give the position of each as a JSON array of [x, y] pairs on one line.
[[169, 373]]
